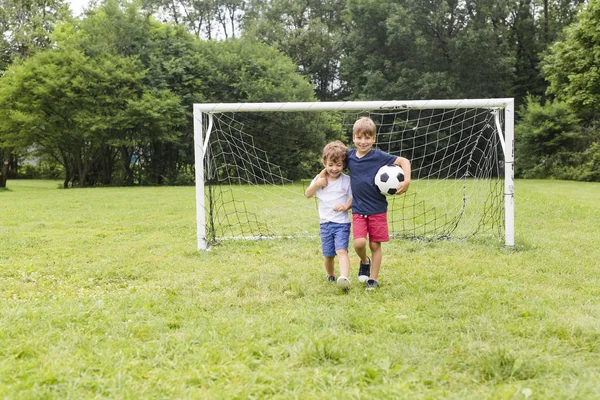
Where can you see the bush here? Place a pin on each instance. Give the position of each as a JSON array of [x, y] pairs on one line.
[[42, 171], [587, 167], [551, 143]]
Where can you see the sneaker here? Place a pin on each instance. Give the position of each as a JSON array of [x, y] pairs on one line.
[[364, 271], [343, 283], [371, 284], [331, 279]]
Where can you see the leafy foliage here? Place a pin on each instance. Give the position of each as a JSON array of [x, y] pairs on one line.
[[111, 101], [550, 141], [417, 50], [567, 147], [309, 32], [25, 29], [133, 79], [572, 67], [26, 26]]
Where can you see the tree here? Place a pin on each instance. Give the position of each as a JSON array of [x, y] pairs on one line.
[[11, 127], [25, 28], [418, 50], [120, 86], [248, 71], [572, 66], [549, 136], [151, 114], [308, 32], [75, 108]]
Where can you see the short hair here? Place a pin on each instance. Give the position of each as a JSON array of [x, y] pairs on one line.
[[334, 151], [364, 126]]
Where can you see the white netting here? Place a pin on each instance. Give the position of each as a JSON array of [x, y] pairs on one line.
[[258, 164]]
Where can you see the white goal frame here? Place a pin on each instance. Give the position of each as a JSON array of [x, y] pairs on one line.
[[506, 105]]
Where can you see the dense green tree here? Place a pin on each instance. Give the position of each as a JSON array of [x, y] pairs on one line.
[[568, 146], [25, 28], [72, 107], [417, 50], [309, 32], [119, 87], [534, 25], [11, 127], [79, 105], [396, 49], [552, 143], [547, 136], [242, 71], [528, 46], [195, 71], [26, 25], [572, 66], [119, 29]]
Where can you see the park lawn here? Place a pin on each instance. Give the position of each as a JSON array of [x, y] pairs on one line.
[[104, 295]]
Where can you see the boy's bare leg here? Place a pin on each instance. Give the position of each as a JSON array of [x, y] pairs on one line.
[[376, 257], [360, 246], [344, 260], [329, 265]]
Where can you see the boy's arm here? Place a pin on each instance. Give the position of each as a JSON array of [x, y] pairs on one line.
[[323, 175], [348, 204], [405, 165], [317, 183], [343, 207]]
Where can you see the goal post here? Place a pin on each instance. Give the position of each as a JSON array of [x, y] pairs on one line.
[[254, 160]]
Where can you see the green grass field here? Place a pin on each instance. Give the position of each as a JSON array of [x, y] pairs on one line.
[[103, 295]]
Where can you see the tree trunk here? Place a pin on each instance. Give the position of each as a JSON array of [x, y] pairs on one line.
[[63, 159], [5, 168], [82, 168], [107, 164], [83, 175]]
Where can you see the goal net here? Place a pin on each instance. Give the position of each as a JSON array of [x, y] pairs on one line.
[[255, 160]]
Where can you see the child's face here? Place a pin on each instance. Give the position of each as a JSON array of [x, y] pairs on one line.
[[363, 143], [334, 168]]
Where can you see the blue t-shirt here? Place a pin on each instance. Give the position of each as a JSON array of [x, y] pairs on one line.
[[366, 197]]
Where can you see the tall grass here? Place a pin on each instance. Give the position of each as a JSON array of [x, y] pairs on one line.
[[103, 295]]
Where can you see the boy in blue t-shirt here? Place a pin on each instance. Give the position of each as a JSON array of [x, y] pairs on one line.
[[369, 206]]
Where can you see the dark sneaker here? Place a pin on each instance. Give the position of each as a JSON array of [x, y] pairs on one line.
[[343, 283], [364, 271], [331, 279], [371, 284]]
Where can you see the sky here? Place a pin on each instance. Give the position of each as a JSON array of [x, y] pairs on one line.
[[77, 5]]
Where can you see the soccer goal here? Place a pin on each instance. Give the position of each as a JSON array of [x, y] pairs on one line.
[[255, 160]]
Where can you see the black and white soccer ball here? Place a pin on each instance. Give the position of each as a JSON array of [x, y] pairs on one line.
[[388, 178]]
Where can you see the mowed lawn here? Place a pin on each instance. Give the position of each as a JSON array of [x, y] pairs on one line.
[[104, 295]]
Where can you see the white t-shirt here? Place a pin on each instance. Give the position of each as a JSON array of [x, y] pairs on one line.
[[336, 192]]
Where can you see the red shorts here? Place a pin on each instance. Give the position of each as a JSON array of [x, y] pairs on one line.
[[375, 226]]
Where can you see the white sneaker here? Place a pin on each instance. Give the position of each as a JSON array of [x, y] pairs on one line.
[[343, 282]]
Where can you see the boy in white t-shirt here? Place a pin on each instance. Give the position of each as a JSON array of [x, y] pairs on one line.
[[335, 199]]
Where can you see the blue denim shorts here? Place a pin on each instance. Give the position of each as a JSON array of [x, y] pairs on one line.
[[334, 236]]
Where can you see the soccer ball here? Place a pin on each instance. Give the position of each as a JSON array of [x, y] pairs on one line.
[[388, 178]]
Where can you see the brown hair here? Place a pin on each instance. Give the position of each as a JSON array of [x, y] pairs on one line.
[[364, 126], [334, 151]]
